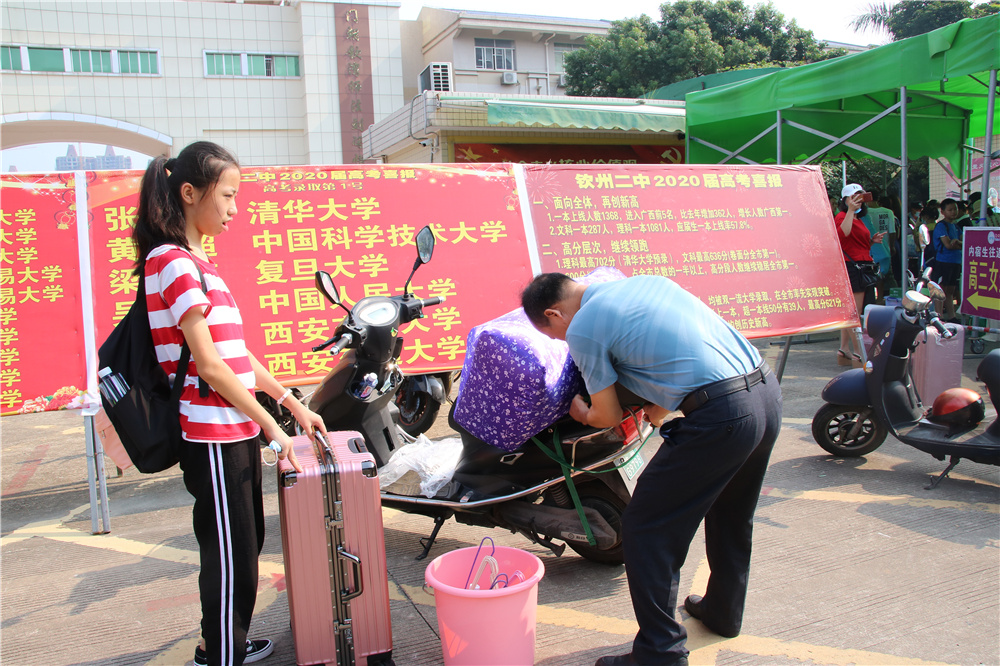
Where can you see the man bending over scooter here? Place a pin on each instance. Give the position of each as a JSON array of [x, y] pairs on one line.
[[668, 347]]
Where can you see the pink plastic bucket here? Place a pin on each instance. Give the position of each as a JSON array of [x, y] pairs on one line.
[[486, 626]]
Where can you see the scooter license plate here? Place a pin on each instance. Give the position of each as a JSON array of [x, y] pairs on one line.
[[630, 470], [631, 465]]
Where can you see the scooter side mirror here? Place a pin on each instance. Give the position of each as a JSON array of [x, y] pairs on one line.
[[326, 286], [425, 250], [935, 291], [425, 245]]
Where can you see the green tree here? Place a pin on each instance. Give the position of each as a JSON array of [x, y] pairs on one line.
[[917, 17], [617, 62], [692, 38]]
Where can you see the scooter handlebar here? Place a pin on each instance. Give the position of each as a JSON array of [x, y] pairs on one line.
[[341, 343], [941, 328], [433, 300], [338, 346]]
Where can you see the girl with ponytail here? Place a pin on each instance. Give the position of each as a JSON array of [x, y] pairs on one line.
[[181, 201]]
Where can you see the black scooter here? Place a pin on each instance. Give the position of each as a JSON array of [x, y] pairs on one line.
[[527, 491], [865, 404]]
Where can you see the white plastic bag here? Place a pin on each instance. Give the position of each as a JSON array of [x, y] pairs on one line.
[[429, 463]]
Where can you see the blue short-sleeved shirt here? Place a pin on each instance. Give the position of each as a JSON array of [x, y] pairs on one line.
[[655, 338], [944, 255]]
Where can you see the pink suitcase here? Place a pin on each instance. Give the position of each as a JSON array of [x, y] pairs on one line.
[[937, 363], [334, 552]]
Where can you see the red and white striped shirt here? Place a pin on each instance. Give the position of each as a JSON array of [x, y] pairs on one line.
[[172, 290]]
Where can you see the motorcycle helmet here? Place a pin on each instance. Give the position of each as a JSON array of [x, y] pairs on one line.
[[958, 407]]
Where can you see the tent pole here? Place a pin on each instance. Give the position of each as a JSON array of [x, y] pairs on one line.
[[988, 153], [904, 193], [777, 132]]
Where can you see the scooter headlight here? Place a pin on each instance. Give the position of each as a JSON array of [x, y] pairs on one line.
[[378, 313]]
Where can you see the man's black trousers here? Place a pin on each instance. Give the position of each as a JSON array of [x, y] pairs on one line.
[[710, 466]]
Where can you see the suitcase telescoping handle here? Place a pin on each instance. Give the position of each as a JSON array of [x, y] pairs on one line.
[[358, 581], [322, 447]]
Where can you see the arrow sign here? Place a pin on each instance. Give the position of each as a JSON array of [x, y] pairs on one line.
[[981, 272]]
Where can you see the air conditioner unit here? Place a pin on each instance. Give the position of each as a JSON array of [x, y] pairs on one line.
[[562, 80], [509, 78], [436, 77]]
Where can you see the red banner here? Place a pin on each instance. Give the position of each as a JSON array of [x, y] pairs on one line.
[[554, 153], [757, 244], [42, 360], [358, 224]]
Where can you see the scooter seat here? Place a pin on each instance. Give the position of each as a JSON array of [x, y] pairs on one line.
[[485, 466]]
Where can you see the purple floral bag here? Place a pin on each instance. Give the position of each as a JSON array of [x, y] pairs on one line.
[[517, 381]]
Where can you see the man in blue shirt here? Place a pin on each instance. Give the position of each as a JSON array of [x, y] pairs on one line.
[[665, 345], [948, 246]]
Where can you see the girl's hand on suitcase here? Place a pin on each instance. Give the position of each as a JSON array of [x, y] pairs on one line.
[[285, 442], [309, 420]]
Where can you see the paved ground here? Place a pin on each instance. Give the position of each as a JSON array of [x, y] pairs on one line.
[[855, 562]]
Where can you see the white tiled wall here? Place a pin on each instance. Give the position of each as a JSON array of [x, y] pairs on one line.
[[265, 121], [938, 180]]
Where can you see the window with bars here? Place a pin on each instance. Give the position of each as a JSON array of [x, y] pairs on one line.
[[272, 65], [495, 54], [10, 57], [91, 61], [561, 50], [137, 62], [254, 64]]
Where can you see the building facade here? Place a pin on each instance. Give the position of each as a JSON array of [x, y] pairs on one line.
[[488, 52], [73, 160], [277, 82]]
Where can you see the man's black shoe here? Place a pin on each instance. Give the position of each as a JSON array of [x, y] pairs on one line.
[[693, 607], [627, 660]]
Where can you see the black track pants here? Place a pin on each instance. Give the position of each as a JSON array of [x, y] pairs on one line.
[[225, 480]]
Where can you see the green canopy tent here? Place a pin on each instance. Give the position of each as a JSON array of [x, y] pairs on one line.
[[922, 96]]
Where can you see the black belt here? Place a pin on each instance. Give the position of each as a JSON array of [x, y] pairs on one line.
[[697, 398]]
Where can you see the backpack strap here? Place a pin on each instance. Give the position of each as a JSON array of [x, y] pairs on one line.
[[185, 358]]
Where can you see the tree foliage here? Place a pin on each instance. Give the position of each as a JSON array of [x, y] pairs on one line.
[[692, 38], [917, 17]]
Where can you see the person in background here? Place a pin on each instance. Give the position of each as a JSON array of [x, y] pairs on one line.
[[948, 256], [928, 220], [991, 219], [881, 221], [914, 212], [914, 248], [963, 220], [855, 243]]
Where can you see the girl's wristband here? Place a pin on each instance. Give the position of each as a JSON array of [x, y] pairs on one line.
[[284, 395]]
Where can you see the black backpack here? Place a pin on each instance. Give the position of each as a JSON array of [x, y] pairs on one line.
[[136, 392]]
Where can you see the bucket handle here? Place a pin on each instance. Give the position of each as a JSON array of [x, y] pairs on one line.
[[358, 582], [428, 589]]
